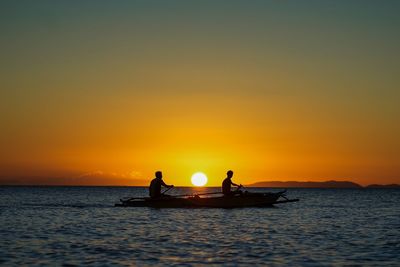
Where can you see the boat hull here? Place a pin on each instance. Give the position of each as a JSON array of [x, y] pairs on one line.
[[261, 200]]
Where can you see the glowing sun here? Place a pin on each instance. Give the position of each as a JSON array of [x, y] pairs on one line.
[[199, 179]]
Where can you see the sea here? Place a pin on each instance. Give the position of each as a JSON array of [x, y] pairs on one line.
[[79, 226]]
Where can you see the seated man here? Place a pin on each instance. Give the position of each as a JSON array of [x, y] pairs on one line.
[[155, 186], [226, 186]]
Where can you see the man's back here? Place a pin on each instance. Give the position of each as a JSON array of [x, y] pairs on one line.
[[155, 188], [226, 186]]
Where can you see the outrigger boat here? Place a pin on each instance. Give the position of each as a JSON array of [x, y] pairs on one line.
[[195, 201]]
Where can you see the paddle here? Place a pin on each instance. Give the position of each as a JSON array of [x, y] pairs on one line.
[[165, 191]]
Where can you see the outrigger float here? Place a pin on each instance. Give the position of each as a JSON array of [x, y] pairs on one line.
[[196, 201]]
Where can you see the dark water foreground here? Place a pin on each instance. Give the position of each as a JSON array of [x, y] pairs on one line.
[[80, 226]]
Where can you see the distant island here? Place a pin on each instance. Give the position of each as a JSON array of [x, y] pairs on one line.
[[326, 184], [383, 186]]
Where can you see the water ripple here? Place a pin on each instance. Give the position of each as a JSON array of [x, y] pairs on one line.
[[79, 226]]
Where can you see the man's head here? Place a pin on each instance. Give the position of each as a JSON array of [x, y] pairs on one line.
[[158, 174], [230, 174]]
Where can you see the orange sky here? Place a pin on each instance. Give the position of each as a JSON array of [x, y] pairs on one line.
[[109, 94]]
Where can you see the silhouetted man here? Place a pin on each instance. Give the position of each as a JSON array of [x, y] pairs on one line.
[[227, 183], [155, 186]]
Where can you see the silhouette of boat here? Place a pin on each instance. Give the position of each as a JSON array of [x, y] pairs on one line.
[[195, 201]]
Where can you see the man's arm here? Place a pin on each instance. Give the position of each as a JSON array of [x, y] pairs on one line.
[[164, 184], [234, 184]]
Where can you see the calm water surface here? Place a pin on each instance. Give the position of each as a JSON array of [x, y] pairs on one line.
[[80, 226]]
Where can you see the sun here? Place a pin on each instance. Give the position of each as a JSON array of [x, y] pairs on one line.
[[199, 179]]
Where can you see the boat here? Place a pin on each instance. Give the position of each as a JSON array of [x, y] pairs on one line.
[[196, 201]]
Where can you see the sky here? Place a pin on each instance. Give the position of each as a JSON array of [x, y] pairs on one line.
[[108, 92]]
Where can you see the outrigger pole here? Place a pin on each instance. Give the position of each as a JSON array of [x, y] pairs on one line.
[[201, 194], [134, 198]]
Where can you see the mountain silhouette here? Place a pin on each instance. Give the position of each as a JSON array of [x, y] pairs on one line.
[[383, 186], [327, 184]]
